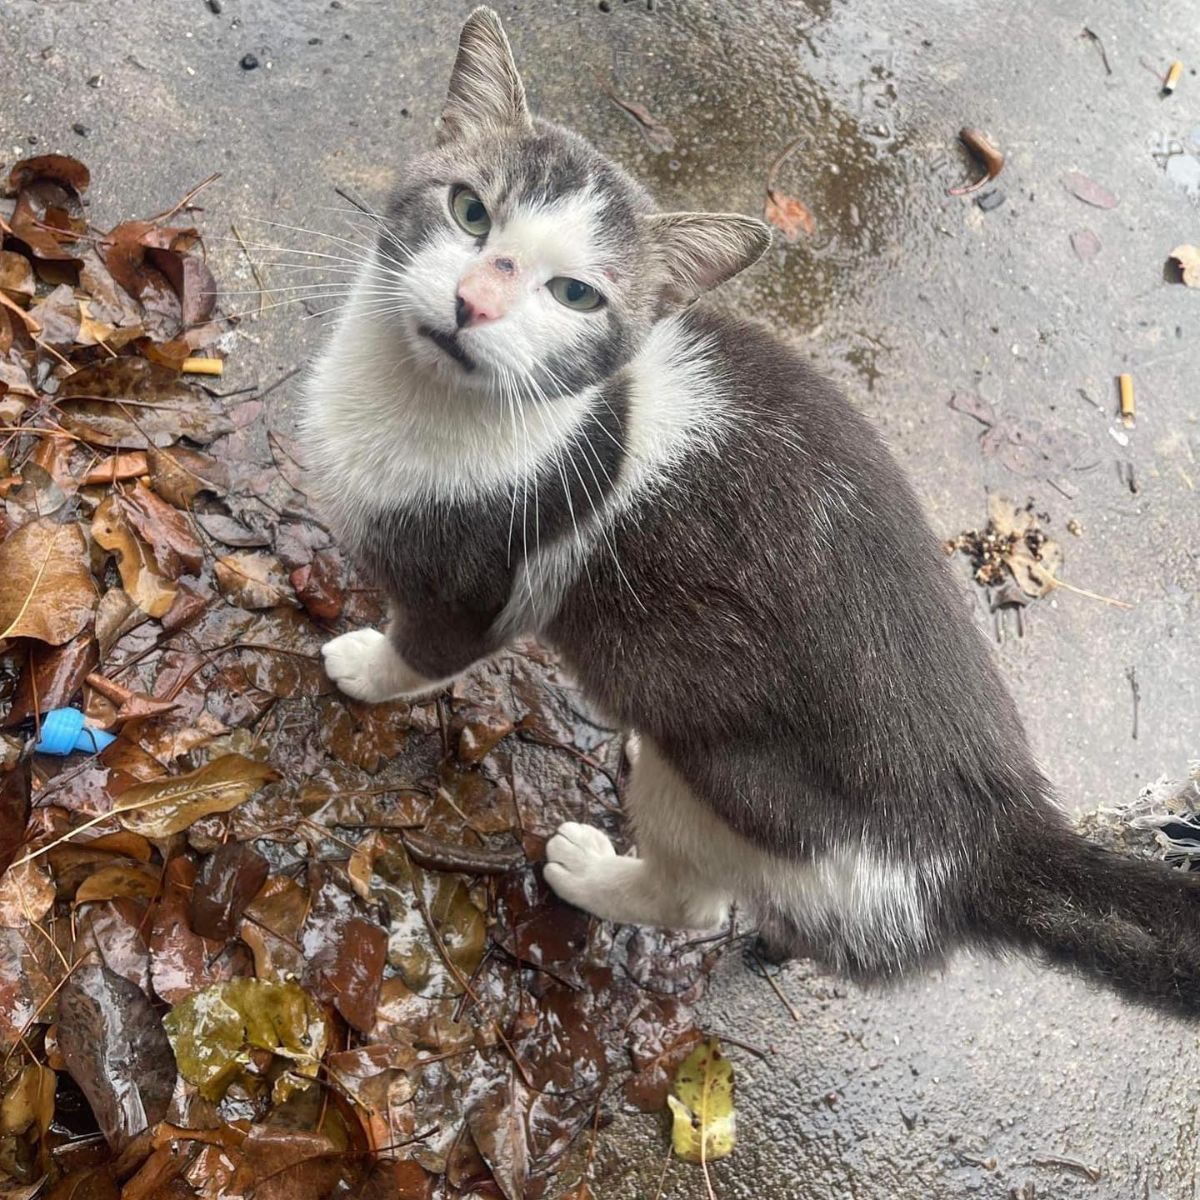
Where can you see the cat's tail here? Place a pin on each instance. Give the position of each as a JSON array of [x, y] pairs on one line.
[[1131, 924]]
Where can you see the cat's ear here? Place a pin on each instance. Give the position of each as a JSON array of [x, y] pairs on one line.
[[694, 252], [485, 89]]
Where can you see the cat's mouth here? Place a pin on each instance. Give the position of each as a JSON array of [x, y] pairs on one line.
[[448, 344]]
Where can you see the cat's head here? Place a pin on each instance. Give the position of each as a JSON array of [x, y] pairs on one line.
[[516, 256]]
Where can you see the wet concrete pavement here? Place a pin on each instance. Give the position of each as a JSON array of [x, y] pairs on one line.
[[956, 1084]]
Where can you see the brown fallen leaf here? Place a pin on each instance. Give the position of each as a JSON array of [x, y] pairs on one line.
[[164, 529], [16, 275], [143, 580], [785, 212], [116, 1050], [134, 404], [987, 154], [1187, 259], [52, 676], [170, 805], [132, 705], [1088, 190], [46, 586], [656, 133], [118, 467], [231, 877], [254, 580], [120, 879], [27, 893], [789, 216], [179, 475]]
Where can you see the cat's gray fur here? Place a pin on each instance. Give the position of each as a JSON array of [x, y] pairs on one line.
[[725, 555]]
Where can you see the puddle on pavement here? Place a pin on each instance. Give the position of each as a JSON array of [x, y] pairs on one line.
[[735, 88]]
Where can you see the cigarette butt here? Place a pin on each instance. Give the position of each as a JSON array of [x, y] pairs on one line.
[[1128, 408], [203, 366], [1173, 74]]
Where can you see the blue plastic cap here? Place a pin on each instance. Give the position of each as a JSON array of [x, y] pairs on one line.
[[63, 731]]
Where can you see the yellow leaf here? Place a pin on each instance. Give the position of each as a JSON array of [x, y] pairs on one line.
[[702, 1105], [214, 1030], [170, 805]]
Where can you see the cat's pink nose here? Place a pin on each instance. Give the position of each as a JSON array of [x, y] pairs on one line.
[[484, 293]]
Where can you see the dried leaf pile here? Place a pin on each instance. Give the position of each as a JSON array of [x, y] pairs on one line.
[[1012, 549], [270, 942]]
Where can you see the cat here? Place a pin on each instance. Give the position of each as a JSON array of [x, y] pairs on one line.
[[524, 424]]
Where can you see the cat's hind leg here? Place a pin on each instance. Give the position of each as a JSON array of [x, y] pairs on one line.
[[668, 884]]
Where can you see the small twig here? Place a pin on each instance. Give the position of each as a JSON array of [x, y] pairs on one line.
[[280, 382], [758, 1051], [263, 293], [784, 155], [1135, 687], [163, 216], [1070, 587], [1095, 38], [792, 1010], [1093, 1174]]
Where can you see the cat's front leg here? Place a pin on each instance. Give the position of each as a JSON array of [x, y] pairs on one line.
[[366, 665]]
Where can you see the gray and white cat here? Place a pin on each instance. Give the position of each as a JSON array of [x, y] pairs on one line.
[[523, 426]]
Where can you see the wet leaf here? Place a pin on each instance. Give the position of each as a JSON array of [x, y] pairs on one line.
[[16, 275], [231, 877], [164, 529], [52, 677], [214, 1031], [116, 615], [345, 953], [61, 168], [988, 155], [116, 1050], [115, 930], [181, 961], [497, 1123], [58, 317], [166, 806], [135, 404], [14, 810], [1088, 190], [144, 582], [120, 879], [656, 133], [118, 467], [46, 587], [28, 1102], [973, 405], [702, 1124], [179, 475], [254, 580], [271, 928], [787, 214], [1187, 259], [26, 894]]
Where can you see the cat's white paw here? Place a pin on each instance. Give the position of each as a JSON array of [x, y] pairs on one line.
[[580, 865], [360, 663]]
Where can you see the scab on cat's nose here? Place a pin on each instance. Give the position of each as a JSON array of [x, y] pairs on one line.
[[486, 292]]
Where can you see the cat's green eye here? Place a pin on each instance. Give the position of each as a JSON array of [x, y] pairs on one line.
[[574, 293], [469, 212]]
